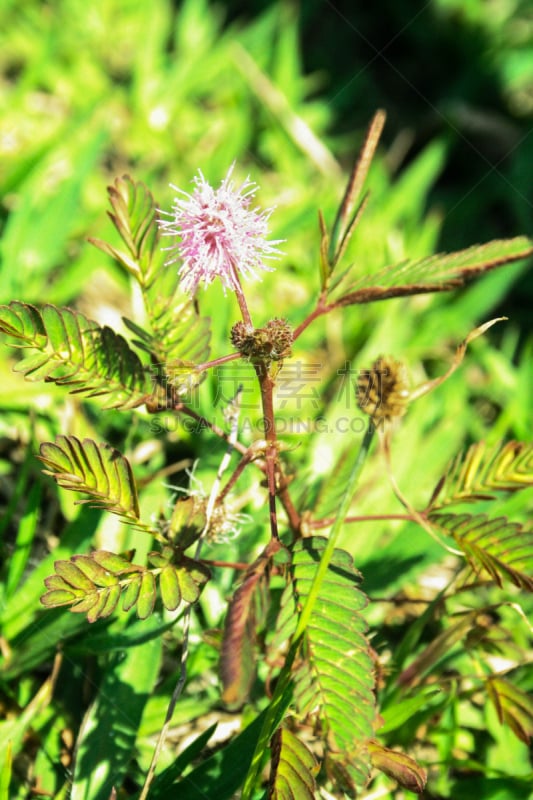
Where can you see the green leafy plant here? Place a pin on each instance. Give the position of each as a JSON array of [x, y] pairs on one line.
[[297, 619]]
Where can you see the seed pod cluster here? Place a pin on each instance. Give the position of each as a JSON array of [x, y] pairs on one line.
[[271, 343], [382, 391]]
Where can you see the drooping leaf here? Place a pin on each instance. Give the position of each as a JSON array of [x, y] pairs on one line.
[[437, 649], [482, 471], [500, 548], [399, 766], [293, 768], [437, 273], [237, 668], [334, 680], [513, 706], [97, 470], [70, 350]]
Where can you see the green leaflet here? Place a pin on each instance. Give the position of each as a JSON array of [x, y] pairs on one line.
[[482, 471], [513, 706], [134, 217], [94, 469], [94, 584], [503, 549], [67, 348], [334, 679], [176, 337], [293, 768]]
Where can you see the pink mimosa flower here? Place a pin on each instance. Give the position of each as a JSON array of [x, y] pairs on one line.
[[219, 234]]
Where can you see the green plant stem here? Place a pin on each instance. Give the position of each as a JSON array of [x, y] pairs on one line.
[[334, 533], [285, 674]]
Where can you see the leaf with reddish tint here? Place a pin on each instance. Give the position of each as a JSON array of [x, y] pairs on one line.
[[513, 706], [237, 668], [293, 768], [437, 649], [57, 597], [399, 766]]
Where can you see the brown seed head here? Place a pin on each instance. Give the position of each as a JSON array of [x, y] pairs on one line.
[[382, 391]]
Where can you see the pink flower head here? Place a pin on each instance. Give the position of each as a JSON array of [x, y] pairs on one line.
[[219, 234]]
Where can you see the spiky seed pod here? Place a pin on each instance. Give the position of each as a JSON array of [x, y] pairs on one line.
[[271, 343], [382, 391]]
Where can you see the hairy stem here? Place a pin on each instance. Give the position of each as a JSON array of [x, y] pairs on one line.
[[266, 384], [241, 299]]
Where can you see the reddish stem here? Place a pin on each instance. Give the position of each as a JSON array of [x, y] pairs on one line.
[[266, 384], [217, 361], [320, 309], [325, 523]]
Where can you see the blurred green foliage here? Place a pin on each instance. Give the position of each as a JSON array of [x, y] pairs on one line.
[[89, 91]]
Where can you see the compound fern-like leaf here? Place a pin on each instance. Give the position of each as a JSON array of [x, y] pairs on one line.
[[134, 216], [71, 350], [334, 680], [94, 584], [500, 548], [97, 470], [293, 768], [176, 337], [437, 273], [482, 471]]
